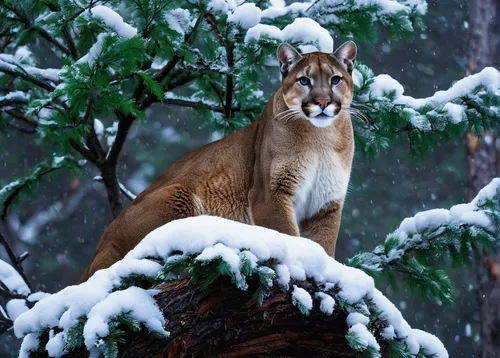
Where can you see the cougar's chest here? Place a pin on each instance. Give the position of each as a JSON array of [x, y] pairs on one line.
[[325, 180]]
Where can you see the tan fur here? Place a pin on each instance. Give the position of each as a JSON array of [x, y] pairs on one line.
[[254, 175]]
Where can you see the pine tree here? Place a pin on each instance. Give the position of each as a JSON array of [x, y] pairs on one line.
[[118, 58]]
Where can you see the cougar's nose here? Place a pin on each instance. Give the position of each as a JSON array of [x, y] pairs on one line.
[[323, 103]]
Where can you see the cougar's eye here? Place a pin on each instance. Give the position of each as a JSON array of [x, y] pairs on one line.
[[336, 80], [304, 81]]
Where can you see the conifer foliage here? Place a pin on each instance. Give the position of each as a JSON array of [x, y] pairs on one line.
[[118, 58]]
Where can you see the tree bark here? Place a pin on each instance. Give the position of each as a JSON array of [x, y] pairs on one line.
[[483, 158], [112, 185], [223, 321]]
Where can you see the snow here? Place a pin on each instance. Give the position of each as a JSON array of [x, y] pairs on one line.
[[245, 15], [447, 103], [111, 134], [455, 111], [388, 332], [222, 6], [487, 193], [94, 51], [419, 5], [222, 251], [178, 20], [98, 127], [366, 337], [431, 219], [15, 307], [259, 31], [329, 12], [58, 160], [11, 278], [55, 345], [11, 63], [114, 21], [15, 96], [355, 318], [470, 214], [302, 30], [283, 275], [327, 304], [6, 66], [68, 305], [37, 296], [8, 188], [357, 78], [277, 10], [50, 74], [124, 189], [206, 238], [412, 230], [390, 314], [139, 302], [383, 84], [302, 297], [488, 77], [30, 343], [430, 344], [468, 330]]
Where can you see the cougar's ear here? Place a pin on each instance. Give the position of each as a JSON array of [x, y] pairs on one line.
[[346, 54], [288, 56]]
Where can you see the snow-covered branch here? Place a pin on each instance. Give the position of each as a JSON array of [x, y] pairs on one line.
[[25, 74], [425, 239], [128, 194], [10, 192], [472, 102], [92, 313]]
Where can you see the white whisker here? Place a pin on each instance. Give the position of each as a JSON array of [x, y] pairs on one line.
[[288, 111]]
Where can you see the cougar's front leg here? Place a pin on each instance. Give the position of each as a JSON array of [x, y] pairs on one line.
[[323, 227], [274, 210]]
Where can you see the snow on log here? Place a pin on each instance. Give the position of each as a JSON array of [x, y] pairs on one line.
[[210, 286]]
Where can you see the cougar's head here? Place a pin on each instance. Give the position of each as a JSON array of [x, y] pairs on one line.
[[317, 85]]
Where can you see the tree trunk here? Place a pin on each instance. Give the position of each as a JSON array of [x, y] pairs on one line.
[[223, 321], [483, 158]]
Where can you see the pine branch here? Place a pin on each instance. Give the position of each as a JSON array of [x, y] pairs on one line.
[[384, 112], [84, 152], [229, 83], [73, 50], [10, 192], [20, 116], [21, 129], [213, 24], [91, 138], [189, 39], [193, 104], [27, 77], [124, 124], [423, 241], [43, 33]]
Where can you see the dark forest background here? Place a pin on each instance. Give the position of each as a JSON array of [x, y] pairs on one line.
[[61, 223]]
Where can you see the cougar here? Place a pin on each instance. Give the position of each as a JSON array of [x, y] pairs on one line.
[[288, 171]]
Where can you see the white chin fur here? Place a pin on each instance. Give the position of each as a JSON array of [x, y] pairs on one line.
[[321, 122]]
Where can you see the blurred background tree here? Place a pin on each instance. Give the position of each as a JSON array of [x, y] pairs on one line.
[[61, 222], [483, 161]]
